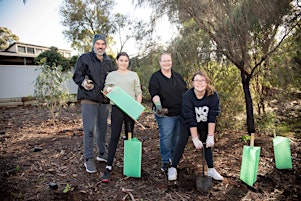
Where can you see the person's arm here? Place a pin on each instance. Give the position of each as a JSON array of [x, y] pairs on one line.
[[153, 88], [79, 76], [194, 132], [108, 83], [156, 99], [213, 113], [211, 129], [210, 137], [139, 98], [198, 144], [188, 109], [138, 91]]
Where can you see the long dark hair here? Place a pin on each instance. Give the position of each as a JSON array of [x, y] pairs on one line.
[[122, 54]]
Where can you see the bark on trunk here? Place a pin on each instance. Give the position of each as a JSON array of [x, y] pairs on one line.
[[249, 103]]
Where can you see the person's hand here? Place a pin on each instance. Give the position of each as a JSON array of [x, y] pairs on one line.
[[142, 114], [158, 107], [88, 84], [210, 141], [109, 89], [197, 143]]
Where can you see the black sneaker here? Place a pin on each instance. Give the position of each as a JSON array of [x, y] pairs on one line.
[[106, 176]]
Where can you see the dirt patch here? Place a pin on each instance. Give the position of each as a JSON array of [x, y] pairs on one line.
[[34, 153]]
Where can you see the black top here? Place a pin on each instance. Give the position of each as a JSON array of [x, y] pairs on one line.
[[89, 65], [170, 90], [199, 112]]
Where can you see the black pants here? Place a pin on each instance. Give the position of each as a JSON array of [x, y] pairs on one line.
[[118, 117], [183, 138]]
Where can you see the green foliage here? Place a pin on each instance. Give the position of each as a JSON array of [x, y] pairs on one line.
[[267, 123], [50, 88], [6, 38], [68, 188], [274, 125], [227, 83], [18, 196], [84, 18], [286, 63], [244, 32], [53, 57], [271, 125], [145, 67], [73, 61], [245, 138]]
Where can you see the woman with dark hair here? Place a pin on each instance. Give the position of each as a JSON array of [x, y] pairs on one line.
[[130, 83], [200, 108]]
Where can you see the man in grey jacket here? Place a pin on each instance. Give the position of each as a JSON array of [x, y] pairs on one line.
[[90, 73]]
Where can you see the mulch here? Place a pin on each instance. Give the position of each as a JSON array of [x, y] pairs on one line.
[[34, 153]]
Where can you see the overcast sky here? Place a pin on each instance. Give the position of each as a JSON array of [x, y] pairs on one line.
[[38, 21]]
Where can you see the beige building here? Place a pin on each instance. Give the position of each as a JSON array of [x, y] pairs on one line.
[[23, 54]]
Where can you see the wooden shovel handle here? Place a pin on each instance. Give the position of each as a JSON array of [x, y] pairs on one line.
[[252, 140], [129, 135]]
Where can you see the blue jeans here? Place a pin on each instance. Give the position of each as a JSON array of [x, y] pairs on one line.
[[94, 117], [169, 128]]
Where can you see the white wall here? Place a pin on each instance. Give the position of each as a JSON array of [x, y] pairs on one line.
[[18, 81]]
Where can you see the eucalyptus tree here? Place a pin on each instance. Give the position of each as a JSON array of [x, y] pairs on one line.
[[129, 27], [287, 63], [191, 49], [84, 18], [246, 32]]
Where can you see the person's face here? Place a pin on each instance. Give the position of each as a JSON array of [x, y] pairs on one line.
[[165, 62], [122, 62], [99, 47], [199, 83]]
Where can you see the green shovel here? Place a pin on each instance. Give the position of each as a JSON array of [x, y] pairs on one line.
[[132, 156], [282, 152], [249, 164]]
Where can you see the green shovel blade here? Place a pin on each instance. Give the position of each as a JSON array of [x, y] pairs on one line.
[[132, 158], [282, 153], [249, 164], [125, 102]]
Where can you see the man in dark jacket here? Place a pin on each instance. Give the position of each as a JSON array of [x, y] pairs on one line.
[[90, 73]]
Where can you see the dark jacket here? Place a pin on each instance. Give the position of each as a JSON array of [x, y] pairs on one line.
[[199, 112], [89, 65], [170, 91]]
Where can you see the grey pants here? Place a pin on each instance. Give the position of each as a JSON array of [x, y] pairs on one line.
[[94, 117]]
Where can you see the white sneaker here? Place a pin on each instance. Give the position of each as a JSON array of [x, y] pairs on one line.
[[101, 158], [214, 174], [172, 174]]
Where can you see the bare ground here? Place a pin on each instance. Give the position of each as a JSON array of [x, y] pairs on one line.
[[33, 153]]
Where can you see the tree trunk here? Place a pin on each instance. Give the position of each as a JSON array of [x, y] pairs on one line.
[[249, 103]]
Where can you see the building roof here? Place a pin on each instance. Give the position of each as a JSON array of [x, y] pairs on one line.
[[19, 53]]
